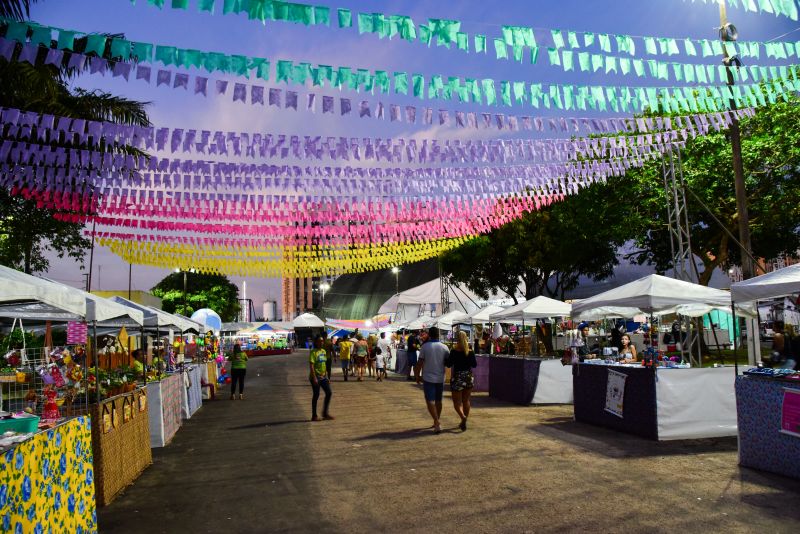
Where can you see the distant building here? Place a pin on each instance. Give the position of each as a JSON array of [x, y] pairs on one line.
[[137, 296], [298, 295]]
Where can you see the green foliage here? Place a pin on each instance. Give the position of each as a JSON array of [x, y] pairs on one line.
[[771, 159], [202, 291], [28, 231], [546, 251]]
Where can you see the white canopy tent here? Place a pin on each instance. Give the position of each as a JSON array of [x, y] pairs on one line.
[[482, 315], [775, 284], [159, 318], [447, 320], [308, 320], [653, 294], [420, 323], [407, 303], [536, 308], [29, 297]]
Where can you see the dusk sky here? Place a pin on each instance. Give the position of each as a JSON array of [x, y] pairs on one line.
[[234, 34]]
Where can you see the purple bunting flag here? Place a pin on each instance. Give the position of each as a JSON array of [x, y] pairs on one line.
[[222, 87], [275, 97], [163, 77], [291, 100], [240, 92], [181, 80], [327, 104], [201, 85], [143, 72]]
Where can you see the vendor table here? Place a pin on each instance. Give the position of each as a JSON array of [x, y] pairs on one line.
[[208, 375], [164, 399], [47, 482], [762, 445], [481, 373], [401, 365], [191, 392], [529, 380], [666, 404], [554, 385], [121, 443]]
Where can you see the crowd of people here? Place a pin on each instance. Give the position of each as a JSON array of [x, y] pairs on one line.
[[370, 357]]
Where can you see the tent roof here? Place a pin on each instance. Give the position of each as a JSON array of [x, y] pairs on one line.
[[654, 294], [154, 317], [775, 284], [482, 315], [536, 308], [31, 297], [307, 320], [450, 318], [424, 321], [430, 293]]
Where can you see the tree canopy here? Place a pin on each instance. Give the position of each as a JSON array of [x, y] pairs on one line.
[[27, 229], [202, 291], [548, 250]]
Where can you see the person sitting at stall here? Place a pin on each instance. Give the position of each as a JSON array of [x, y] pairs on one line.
[[581, 343], [137, 365], [628, 351]]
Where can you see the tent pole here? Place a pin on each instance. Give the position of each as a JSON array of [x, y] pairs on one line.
[[96, 362], [735, 345], [144, 348]]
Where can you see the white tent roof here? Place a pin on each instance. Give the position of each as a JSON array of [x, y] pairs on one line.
[[482, 315], [447, 320], [536, 308], [154, 317], [430, 293], [308, 320], [390, 306], [654, 294], [31, 297], [775, 284], [420, 323]]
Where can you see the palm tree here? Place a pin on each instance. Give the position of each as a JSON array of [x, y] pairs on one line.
[[27, 231]]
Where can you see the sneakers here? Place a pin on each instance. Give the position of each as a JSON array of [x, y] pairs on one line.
[[315, 418], [328, 417], [241, 396], [233, 396]]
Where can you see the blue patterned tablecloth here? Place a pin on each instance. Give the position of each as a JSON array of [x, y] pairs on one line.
[[761, 444]]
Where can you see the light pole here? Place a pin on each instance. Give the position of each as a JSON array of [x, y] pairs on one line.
[[324, 286], [396, 272]]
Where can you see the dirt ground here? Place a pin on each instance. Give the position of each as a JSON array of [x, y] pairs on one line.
[[260, 465]]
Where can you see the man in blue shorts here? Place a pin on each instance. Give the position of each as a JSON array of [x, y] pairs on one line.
[[431, 362]]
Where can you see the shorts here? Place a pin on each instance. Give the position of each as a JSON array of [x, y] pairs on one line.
[[361, 361], [412, 359], [462, 380], [345, 364], [433, 391]]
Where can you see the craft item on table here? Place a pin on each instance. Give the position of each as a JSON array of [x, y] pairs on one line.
[[51, 411], [45, 375], [31, 400]]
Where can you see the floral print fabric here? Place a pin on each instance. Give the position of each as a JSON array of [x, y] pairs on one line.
[[47, 482]]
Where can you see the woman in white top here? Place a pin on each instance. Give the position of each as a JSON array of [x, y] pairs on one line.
[[628, 349]]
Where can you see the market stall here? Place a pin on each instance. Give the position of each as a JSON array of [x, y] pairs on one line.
[[666, 400], [656, 403], [191, 392], [482, 373], [48, 481], [768, 400], [530, 379], [164, 399]]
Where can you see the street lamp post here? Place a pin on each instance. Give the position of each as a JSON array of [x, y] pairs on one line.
[[396, 272], [324, 286]]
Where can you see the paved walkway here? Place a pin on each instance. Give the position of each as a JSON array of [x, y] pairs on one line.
[[259, 465]]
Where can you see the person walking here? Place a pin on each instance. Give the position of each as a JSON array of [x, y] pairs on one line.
[[384, 351], [462, 361], [412, 348], [361, 350], [319, 380], [327, 344], [345, 349], [238, 361], [431, 361], [372, 344]]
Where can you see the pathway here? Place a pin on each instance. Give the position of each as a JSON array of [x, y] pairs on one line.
[[259, 465]]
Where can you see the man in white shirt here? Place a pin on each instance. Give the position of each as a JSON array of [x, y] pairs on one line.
[[431, 361]]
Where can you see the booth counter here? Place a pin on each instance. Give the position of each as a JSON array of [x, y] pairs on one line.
[[164, 407], [666, 404], [481, 373], [121, 443], [524, 380], [266, 352], [47, 482], [766, 438], [191, 392]]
